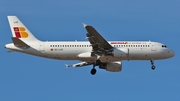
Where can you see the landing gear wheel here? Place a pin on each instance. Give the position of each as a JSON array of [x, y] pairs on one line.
[[93, 71], [153, 67]]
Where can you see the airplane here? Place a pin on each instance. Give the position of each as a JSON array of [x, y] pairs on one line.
[[96, 51]]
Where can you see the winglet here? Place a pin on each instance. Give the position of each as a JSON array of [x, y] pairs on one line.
[[84, 25], [67, 66]]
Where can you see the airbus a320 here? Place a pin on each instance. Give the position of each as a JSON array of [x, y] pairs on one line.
[[96, 51]]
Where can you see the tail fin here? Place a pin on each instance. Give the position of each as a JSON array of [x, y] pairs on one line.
[[19, 30]]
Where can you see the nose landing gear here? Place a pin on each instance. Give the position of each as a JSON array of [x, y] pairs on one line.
[[153, 66]]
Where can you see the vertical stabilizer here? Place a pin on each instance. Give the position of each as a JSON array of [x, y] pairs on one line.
[[20, 31]]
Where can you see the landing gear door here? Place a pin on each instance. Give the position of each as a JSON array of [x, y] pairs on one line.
[[41, 47]]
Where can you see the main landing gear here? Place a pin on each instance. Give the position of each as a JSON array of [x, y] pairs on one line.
[[153, 66], [93, 70]]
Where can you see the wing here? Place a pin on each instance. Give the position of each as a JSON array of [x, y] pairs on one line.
[[99, 44], [79, 64]]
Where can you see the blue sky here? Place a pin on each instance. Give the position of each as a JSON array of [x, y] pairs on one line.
[[29, 78]]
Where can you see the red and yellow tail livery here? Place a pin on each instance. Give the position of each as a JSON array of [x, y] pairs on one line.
[[20, 32]]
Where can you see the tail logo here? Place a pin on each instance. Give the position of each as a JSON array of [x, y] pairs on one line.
[[20, 32]]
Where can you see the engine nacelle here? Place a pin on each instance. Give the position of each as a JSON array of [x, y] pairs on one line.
[[112, 66], [121, 52]]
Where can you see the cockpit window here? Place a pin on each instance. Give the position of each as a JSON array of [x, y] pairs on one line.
[[164, 46]]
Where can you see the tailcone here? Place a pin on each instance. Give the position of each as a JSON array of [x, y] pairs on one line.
[[9, 46]]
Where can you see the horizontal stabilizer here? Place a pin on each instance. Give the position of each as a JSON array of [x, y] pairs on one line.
[[19, 43]]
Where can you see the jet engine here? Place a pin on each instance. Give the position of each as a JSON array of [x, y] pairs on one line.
[[112, 66]]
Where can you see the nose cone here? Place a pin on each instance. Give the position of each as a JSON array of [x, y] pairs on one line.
[[171, 53]]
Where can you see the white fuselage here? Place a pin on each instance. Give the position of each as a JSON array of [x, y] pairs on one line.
[[129, 50]]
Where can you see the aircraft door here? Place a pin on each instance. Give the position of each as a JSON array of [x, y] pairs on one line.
[[153, 46], [41, 47]]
